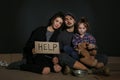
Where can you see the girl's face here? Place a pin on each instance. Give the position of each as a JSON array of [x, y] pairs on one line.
[[57, 23], [82, 29], [69, 21]]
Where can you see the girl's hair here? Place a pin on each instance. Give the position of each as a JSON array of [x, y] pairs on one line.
[[58, 14], [84, 21]]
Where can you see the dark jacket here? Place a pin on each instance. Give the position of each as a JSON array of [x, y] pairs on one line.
[[39, 34], [36, 63]]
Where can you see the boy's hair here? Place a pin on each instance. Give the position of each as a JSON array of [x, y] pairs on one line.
[[70, 14], [73, 16]]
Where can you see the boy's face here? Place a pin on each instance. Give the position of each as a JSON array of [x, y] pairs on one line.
[[69, 21], [82, 29]]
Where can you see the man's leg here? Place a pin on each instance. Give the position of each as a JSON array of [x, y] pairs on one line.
[[78, 65], [70, 51], [72, 63], [103, 58]]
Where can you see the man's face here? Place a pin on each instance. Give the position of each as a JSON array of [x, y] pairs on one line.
[[69, 21]]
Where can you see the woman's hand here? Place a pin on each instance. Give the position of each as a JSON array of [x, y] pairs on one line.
[[55, 60], [33, 50]]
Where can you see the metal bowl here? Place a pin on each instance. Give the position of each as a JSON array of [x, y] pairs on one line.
[[79, 73]]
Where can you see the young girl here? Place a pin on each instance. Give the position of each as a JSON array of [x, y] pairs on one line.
[[86, 43]]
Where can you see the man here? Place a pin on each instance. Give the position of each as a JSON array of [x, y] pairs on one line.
[[64, 39]]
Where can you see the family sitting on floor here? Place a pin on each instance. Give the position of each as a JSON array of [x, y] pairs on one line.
[[78, 48]]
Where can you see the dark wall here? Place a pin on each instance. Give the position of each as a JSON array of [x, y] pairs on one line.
[[20, 17]]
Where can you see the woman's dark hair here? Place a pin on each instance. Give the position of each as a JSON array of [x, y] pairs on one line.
[[58, 14], [83, 20]]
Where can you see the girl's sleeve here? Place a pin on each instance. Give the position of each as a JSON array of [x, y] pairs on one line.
[[92, 40], [74, 41]]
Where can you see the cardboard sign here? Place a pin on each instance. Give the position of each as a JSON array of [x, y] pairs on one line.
[[47, 47]]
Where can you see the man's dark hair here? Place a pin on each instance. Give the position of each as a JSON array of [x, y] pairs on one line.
[[70, 14]]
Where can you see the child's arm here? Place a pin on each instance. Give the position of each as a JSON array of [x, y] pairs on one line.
[[92, 42]]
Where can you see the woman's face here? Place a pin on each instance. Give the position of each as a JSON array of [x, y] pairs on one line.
[[57, 23], [82, 29]]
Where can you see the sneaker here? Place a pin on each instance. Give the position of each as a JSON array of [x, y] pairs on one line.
[[3, 64], [89, 71], [102, 71], [66, 70]]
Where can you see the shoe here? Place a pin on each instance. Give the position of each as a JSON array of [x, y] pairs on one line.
[[106, 71], [102, 71], [66, 70], [3, 64], [89, 71]]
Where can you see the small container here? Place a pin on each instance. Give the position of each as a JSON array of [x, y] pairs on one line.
[[79, 73]]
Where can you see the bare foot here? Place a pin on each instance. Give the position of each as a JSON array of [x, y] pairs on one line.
[[46, 70]]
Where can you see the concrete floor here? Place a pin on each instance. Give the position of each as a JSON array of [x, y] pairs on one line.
[[114, 65]]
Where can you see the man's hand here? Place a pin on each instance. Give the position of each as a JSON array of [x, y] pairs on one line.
[[33, 51]]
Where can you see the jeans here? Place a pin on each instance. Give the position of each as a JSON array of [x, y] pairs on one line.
[[102, 58], [70, 51]]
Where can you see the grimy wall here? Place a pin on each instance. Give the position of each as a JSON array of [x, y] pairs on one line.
[[20, 17]]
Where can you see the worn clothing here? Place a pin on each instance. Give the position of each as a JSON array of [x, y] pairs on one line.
[[86, 38], [64, 39], [49, 34], [65, 59], [71, 52], [102, 58], [40, 61], [91, 40], [36, 63]]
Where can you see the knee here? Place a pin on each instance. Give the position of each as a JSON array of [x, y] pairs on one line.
[[46, 70]]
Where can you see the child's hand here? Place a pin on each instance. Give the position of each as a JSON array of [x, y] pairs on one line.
[[91, 46], [55, 60]]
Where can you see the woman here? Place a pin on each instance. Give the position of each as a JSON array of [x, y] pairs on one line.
[[43, 63]]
